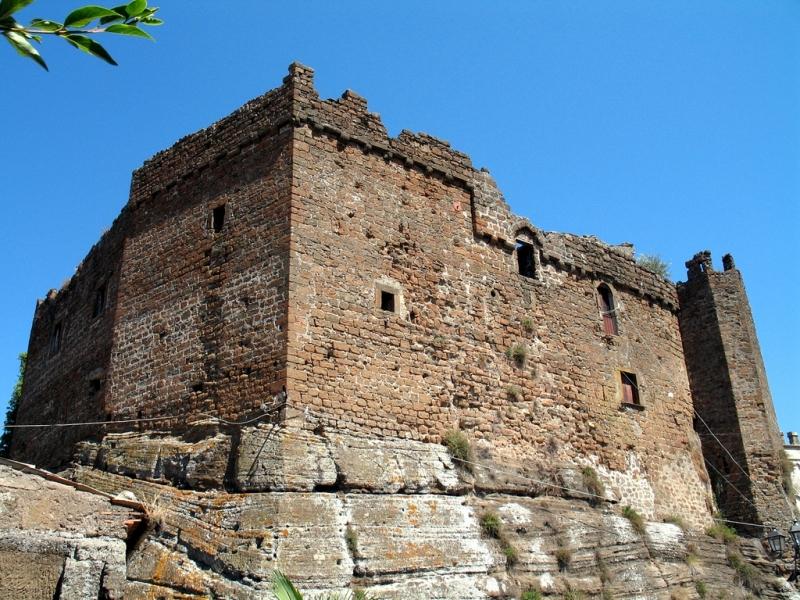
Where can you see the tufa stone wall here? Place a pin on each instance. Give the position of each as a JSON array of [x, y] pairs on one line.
[[367, 220], [69, 353], [294, 246]]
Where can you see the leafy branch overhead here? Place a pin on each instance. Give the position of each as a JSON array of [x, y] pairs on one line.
[[125, 19]]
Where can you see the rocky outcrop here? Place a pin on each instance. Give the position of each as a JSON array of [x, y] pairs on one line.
[[400, 519], [338, 512], [58, 542]]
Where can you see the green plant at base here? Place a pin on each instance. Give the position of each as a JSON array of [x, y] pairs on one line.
[[13, 406], [512, 557], [749, 576], [125, 19], [691, 557], [636, 520], [723, 533], [593, 485], [531, 595], [283, 589], [518, 353], [351, 539], [527, 324], [563, 557], [490, 525], [514, 392], [701, 589], [675, 520], [459, 448], [573, 595]]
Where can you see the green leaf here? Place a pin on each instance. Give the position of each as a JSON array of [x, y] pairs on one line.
[[45, 25], [136, 7], [283, 588], [122, 9], [9, 7], [83, 16], [24, 47], [129, 30], [81, 42], [152, 21], [111, 19]]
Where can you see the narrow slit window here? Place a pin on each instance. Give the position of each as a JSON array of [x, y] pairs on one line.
[[630, 389], [527, 267], [387, 301], [55, 338], [99, 300], [218, 218], [608, 310]]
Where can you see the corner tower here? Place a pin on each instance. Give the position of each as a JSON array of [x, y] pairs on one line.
[[733, 407]]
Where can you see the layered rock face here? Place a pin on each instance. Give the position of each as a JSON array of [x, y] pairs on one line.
[[399, 519], [57, 542]]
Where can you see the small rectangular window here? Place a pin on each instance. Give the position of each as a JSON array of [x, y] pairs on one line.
[[99, 301], [55, 338], [630, 389], [525, 262], [218, 218], [387, 301]]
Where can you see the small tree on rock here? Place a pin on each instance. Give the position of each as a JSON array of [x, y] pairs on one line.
[[13, 406]]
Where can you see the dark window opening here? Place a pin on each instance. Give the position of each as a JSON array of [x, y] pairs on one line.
[[525, 262], [218, 218], [99, 301], [94, 386], [387, 301], [55, 338], [630, 389], [608, 310]]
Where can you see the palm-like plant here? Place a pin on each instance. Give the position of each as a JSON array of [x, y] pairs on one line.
[[283, 589]]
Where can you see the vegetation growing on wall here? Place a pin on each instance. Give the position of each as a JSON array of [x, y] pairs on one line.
[[654, 263]]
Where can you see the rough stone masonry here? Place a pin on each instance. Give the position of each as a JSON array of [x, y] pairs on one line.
[[294, 264]]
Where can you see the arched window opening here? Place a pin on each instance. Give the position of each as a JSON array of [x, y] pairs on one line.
[[608, 310], [525, 259]]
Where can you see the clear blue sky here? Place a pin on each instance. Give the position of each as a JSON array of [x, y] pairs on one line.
[[672, 125]]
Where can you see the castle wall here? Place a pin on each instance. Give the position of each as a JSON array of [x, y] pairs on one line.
[[325, 218], [202, 313], [195, 318], [366, 222], [731, 394], [68, 355]]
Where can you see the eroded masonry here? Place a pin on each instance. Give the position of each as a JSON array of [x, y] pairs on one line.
[[294, 263]]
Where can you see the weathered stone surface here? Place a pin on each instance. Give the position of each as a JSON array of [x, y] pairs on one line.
[[52, 533], [30, 503], [393, 466], [270, 458], [198, 464], [29, 575], [420, 545]]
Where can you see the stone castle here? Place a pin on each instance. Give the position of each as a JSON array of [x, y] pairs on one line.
[[292, 277]]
